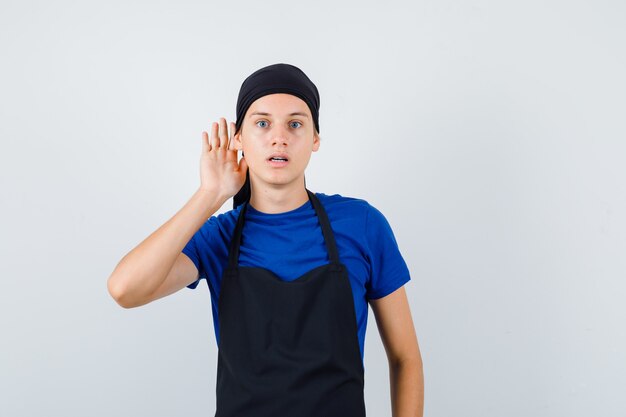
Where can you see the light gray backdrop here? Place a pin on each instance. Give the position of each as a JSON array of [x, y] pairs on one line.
[[490, 133]]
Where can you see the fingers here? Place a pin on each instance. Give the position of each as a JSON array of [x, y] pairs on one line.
[[221, 138], [206, 145], [214, 136], [231, 152], [223, 134], [231, 145]]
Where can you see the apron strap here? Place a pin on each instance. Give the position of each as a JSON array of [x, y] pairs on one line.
[[233, 253], [327, 231]]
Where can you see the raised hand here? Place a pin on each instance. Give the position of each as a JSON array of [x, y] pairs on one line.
[[219, 170]]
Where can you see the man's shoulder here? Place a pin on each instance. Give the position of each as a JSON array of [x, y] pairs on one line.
[[341, 199], [342, 205]]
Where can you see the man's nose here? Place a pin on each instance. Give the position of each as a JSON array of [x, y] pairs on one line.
[[280, 136]]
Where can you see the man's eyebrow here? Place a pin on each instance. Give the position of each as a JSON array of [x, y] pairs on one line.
[[260, 113]]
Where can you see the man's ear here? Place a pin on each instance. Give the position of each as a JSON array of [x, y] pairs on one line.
[[316, 141], [237, 141]]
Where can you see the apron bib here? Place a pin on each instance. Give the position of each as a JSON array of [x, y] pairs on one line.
[[288, 348]]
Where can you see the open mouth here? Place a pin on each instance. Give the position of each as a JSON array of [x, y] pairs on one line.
[[278, 161]]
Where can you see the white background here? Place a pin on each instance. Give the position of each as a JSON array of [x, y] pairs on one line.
[[491, 134]]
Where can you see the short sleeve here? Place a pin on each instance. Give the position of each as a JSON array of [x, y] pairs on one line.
[[191, 250], [388, 270]]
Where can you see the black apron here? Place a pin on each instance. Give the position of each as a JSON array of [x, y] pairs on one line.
[[288, 348]]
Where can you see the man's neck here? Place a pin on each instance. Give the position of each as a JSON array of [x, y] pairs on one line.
[[278, 199]]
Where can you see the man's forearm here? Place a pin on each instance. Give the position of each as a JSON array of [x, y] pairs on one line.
[[407, 388]]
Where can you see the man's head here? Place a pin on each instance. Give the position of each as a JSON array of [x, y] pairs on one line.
[[277, 113]]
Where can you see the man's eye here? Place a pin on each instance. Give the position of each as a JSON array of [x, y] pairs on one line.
[[297, 123], [261, 121]]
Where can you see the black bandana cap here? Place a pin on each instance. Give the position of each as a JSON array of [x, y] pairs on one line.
[[276, 78]]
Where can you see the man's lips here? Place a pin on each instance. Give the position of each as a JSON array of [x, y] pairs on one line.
[[278, 159], [277, 163], [278, 156]]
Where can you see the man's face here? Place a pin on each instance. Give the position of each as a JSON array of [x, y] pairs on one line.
[[279, 125]]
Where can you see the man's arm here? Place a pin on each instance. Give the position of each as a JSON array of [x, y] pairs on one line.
[[406, 376], [156, 267]]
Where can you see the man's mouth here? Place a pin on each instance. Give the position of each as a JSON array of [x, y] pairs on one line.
[[278, 160]]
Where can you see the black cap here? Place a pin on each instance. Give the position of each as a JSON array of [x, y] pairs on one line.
[[277, 78]]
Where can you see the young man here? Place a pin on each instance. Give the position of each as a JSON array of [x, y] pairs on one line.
[[290, 272]]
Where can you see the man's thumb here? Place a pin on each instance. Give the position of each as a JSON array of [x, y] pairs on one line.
[[243, 165]]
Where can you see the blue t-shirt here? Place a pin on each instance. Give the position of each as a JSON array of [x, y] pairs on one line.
[[291, 243]]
